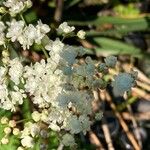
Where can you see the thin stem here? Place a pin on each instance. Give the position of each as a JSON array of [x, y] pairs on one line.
[[20, 121], [44, 51], [21, 16], [59, 10], [3, 15]]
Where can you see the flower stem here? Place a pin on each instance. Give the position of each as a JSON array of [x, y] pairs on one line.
[[44, 51], [21, 16]]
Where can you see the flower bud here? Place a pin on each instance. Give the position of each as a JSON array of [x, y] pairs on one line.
[[4, 140], [36, 116], [2, 10], [5, 53], [27, 141], [16, 131], [28, 3], [7, 130], [20, 148], [81, 34], [5, 60], [12, 123], [4, 120]]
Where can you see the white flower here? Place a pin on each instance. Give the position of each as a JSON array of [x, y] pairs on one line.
[[2, 38], [36, 116], [123, 82], [15, 29], [20, 148], [17, 96], [4, 120], [2, 27], [8, 105], [4, 140], [42, 29], [28, 37], [34, 130], [2, 35], [16, 131], [28, 3], [15, 71], [64, 28], [68, 140], [7, 130], [2, 73], [27, 141], [25, 132], [31, 87], [81, 34], [3, 92], [40, 68], [54, 127], [16, 6], [55, 46], [55, 49]]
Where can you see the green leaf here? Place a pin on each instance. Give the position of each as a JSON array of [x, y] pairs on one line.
[[110, 46], [70, 3], [53, 140], [143, 21], [5, 113], [31, 16], [26, 110]]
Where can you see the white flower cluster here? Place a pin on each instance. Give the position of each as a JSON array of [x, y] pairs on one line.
[[30, 131], [54, 86], [64, 28], [26, 35], [60, 87], [17, 6], [51, 86], [9, 98]]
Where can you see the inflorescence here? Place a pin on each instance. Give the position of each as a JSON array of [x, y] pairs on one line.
[[61, 87]]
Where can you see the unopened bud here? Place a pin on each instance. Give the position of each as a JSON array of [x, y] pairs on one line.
[[4, 140], [36, 116], [81, 34], [5, 53], [7, 130], [2, 10], [16, 131], [4, 120], [12, 123], [20, 148]]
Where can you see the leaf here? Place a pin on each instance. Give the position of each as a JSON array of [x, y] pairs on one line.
[[110, 46], [70, 3], [5, 113], [31, 16], [26, 110], [53, 140], [143, 21]]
